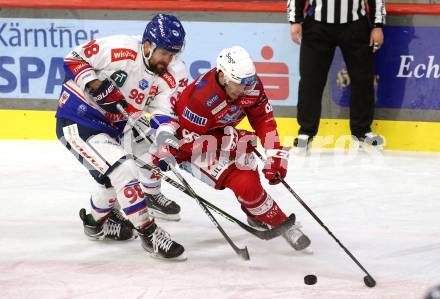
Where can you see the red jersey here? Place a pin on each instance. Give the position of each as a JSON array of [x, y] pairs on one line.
[[204, 108]]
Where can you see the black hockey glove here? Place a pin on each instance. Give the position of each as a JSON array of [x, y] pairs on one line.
[[107, 96]]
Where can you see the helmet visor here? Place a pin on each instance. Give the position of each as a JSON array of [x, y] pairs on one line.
[[248, 83]]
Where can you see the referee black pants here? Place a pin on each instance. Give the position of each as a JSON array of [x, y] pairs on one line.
[[318, 45]]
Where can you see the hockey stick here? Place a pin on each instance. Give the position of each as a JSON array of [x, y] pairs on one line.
[[242, 252], [267, 234], [368, 280], [261, 234]]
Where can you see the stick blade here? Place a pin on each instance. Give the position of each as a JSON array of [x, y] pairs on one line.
[[244, 253], [278, 230]]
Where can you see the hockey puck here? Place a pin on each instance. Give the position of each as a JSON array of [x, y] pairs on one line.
[[310, 279]]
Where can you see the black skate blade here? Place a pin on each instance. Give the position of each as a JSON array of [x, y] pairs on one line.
[[180, 258], [277, 230], [160, 215]]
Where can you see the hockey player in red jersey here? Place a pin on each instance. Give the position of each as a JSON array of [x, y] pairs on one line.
[[213, 150]]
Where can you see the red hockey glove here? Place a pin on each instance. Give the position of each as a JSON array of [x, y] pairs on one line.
[[107, 96], [276, 163]]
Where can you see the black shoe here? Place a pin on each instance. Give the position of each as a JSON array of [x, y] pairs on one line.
[[372, 139], [158, 243], [161, 207], [113, 227], [302, 141]]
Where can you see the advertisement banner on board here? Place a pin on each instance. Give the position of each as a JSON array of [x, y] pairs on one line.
[[407, 71], [32, 51]]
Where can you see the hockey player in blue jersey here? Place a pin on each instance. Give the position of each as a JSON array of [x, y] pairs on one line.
[[137, 73]]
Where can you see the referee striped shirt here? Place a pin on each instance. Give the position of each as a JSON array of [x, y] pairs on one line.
[[336, 11]]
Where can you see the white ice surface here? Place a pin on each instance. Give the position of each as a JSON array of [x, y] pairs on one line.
[[385, 209]]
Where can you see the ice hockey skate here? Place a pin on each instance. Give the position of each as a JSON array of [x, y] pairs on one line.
[[159, 206], [158, 244], [294, 236], [297, 239], [114, 227]]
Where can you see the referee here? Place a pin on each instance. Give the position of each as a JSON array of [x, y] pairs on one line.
[[321, 27]]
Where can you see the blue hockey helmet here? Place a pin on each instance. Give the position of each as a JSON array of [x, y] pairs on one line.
[[166, 32]]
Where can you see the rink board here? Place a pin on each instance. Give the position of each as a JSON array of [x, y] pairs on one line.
[[407, 86], [400, 135]]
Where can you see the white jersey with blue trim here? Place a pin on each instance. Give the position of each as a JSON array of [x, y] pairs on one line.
[[120, 59]]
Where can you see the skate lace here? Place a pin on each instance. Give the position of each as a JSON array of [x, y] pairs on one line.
[[120, 216], [111, 228], [161, 239], [162, 200]]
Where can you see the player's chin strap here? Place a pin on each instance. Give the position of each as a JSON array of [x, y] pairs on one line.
[[242, 252], [146, 59], [366, 278]]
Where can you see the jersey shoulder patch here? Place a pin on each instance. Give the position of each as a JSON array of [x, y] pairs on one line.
[[247, 101], [169, 79], [118, 54], [122, 47], [177, 69]]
